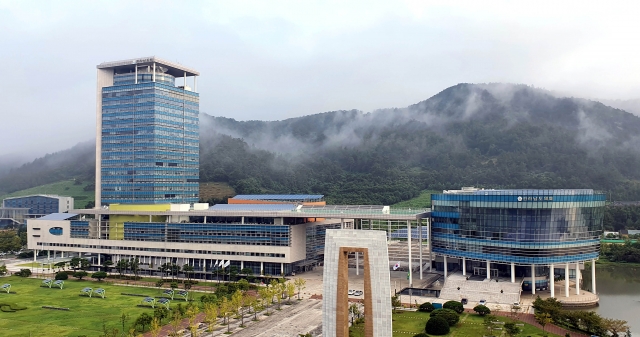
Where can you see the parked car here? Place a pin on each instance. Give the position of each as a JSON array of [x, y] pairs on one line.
[[483, 302], [351, 292], [357, 293], [464, 301]]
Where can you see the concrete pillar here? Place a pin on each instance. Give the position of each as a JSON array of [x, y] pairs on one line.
[[241, 265], [593, 275], [533, 279], [409, 245], [99, 261], [341, 223], [577, 278], [261, 268], [35, 255], [464, 266], [195, 83], [357, 264], [281, 268], [154, 71], [62, 255], [429, 244], [48, 255], [136, 75], [420, 245], [488, 270], [552, 281], [445, 266], [513, 272], [566, 280]]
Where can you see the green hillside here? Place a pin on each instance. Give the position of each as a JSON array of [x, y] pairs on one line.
[[421, 201], [82, 192]]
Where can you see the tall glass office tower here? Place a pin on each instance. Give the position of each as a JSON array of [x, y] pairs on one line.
[[147, 145]]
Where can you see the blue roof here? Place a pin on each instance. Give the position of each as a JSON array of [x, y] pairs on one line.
[[253, 207], [57, 216], [284, 197]]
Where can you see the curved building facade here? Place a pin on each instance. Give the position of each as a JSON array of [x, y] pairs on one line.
[[517, 232]]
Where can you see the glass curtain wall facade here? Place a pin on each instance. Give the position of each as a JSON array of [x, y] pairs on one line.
[[150, 140], [524, 227]]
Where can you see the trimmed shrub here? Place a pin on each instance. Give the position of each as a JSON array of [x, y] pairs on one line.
[[447, 314], [426, 307], [482, 310], [23, 273], [62, 276], [99, 275], [437, 326], [454, 305]]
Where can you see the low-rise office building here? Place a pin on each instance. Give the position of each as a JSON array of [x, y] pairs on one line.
[[16, 210], [269, 239]]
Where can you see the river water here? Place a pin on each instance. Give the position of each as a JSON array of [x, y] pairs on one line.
[[619, 291]]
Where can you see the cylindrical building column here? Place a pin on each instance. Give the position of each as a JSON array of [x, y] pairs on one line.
[[488, 270], [577, 278], [533, 279], [445, 266], [566, 280], [35, 254], [513, 272], [261, 268], [464, 266], [593, 275], [281, 268], [551, 281], [420, 245], [409, 244], [357, 264], [429, 245]]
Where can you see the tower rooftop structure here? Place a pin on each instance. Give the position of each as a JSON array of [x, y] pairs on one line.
[[129, 65]]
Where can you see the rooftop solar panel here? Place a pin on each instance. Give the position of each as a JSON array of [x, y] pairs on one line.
[[253, 207], [57, 216]]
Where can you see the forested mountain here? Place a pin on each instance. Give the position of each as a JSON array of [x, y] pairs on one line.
[[485, 135]]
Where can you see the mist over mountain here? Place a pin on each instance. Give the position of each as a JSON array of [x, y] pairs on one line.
[[485, 135], [630, 105]]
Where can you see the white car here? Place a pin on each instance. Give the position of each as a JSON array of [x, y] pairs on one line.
[[351, 292], [357, 293], [482, 302]]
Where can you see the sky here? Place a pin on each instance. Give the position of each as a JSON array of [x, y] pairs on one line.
[[272, 60]]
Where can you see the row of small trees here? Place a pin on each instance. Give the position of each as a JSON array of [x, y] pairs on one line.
[[225, 305]]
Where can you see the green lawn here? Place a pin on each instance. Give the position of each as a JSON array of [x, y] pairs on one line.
[[66, 188], [86, 316], [407, 324]]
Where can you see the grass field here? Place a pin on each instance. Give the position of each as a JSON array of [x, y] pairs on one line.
[[66, 188], [410, 323], [85, 317], [421, 201]]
